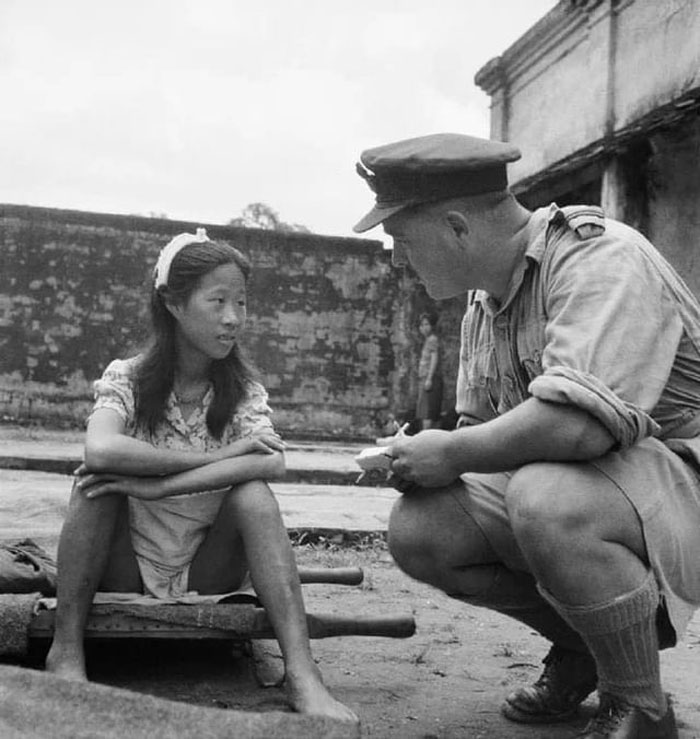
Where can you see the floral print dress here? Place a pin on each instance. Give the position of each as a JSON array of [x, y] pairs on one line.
[[166, 533]]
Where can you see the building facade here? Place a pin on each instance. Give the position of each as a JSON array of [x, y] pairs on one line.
[[603, 98]]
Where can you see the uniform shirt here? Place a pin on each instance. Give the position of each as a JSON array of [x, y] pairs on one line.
[[594, 317], [167, 532]]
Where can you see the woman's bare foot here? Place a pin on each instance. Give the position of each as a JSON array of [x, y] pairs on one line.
[[66, 663], [308, 694]]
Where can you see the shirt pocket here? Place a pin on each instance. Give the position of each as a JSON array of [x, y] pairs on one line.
[[482, 379], [532, 366], [529, 347]]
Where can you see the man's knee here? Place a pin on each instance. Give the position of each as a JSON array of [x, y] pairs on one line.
[[414, 537], [429, 537], [543, 500], [405, 535]]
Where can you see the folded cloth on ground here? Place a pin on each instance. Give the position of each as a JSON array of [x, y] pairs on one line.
[[26, 568], [16, 613]]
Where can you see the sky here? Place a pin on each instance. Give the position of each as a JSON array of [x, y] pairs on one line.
[[193, 109]]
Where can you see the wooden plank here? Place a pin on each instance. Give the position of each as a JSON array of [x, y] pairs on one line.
[[216, 621]]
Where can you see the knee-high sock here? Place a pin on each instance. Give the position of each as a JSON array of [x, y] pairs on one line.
[[621, 635]]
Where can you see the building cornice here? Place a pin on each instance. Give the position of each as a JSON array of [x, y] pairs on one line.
[[551, 31], [668, 116], [551, 38]]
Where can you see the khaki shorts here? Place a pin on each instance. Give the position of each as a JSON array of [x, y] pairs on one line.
[[665, 493]]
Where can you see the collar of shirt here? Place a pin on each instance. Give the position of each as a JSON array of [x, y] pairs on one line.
[[540, 220]]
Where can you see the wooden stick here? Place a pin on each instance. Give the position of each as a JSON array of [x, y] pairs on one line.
[[336, 575]]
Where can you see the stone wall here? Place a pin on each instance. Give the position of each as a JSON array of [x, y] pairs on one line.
[[332, 326]]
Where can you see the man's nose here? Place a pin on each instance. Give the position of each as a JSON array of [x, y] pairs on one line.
[[398, 256]]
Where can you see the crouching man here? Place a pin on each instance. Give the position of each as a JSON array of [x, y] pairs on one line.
[[568, 497]]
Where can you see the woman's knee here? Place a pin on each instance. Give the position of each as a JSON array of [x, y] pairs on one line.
[[251, 498], [104, 505]]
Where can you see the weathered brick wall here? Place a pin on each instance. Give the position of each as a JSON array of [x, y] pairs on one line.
[[332, 326]]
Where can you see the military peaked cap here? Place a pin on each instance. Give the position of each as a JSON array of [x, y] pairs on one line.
[[429, 169]]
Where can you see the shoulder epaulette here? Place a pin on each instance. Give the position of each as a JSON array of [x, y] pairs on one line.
[[588, 221]]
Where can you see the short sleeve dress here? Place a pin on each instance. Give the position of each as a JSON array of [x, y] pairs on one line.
[[166, 533]]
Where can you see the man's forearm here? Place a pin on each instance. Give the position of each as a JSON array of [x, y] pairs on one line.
[[534, 431]]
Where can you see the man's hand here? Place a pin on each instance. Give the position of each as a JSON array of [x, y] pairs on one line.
[[424, 459]]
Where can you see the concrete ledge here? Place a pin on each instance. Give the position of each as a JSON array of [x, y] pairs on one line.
[[36, 704]]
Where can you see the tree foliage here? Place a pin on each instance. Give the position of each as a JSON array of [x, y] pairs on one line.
[[261, 215]]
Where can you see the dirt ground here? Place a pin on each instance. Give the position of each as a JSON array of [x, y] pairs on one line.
[[446, 681]]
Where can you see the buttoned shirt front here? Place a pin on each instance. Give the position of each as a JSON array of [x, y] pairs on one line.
[[594, 317]]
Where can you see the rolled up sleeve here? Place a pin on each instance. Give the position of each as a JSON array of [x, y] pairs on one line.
[[611, 333]]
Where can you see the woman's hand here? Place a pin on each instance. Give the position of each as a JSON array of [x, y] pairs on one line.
[[267, 443], [97, 485], [428, 384]]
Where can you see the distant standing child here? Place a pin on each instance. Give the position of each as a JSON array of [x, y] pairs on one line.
[[172, 498], [429, 401]]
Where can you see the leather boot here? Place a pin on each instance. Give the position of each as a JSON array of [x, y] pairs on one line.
[[567, 680], [616, 719]]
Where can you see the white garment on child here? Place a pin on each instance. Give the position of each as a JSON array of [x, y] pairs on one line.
[[167, 533]]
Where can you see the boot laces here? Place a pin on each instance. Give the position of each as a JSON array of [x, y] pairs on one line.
[[610, 715]]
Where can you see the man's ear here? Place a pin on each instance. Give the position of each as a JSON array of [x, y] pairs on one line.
[[458, 223]]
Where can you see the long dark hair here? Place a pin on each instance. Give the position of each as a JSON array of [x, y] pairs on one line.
[[155, 372]]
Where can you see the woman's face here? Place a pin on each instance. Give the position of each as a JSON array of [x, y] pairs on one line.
[[210, 321], [425, 328]]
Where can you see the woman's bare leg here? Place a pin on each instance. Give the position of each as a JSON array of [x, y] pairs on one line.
[[251, 509], [83, 557]]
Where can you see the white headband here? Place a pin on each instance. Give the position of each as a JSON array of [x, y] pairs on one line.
[[170, 251]]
